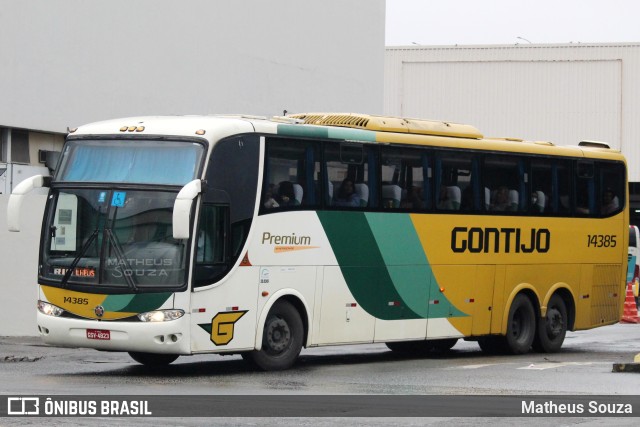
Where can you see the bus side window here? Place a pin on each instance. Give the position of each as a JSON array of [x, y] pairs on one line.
[[211, 245]]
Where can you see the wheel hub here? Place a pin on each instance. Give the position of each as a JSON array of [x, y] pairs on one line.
[[555, 322], [278, 335]]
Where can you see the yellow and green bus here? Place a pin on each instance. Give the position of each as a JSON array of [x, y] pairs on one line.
[[169, 236]]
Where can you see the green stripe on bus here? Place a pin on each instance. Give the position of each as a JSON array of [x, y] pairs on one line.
[[352, 134], [404, 258], [145, 302], [363, 266], [303, 131], [326, 133], [408, 265], [117, 302]]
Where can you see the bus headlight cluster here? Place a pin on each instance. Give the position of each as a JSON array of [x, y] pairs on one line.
[[49, 309], [160, 315]]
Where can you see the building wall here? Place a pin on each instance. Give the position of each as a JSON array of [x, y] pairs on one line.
[[70, 62], [559, 93]]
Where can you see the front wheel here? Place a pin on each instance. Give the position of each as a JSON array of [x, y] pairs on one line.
[[553, 327], [153, 359], [281, 339], [521, 328]]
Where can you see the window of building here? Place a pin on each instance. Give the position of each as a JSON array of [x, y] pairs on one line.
[[19, 146]]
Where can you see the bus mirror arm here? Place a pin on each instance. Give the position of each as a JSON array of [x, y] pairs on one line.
[[17, 196], [182, 209]]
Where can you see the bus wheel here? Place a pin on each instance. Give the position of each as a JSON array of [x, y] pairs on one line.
[[281, 339], [553, 327], [521, 327], [153, 359]]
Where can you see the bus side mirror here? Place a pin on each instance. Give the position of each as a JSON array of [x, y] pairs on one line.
[[182, 209], [17, 195]]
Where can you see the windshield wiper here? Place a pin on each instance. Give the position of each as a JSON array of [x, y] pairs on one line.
[[120, 255], [76, 260]]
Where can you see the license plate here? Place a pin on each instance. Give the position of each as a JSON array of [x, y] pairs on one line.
[[98, 334]]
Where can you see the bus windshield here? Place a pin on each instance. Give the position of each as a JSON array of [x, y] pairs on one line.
[[129, 161], [112, 238]]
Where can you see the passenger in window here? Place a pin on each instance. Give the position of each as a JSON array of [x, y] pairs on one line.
[[501, 200], [269, 197], [286, 194], [414, 198], [347, 195], [444, 201], [610, 202]]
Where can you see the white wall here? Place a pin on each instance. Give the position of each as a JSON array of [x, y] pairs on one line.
[[18, 267], [558, 93], [70, 62]]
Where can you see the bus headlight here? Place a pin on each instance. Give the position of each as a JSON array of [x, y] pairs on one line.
[[160, 315], [49, 309]]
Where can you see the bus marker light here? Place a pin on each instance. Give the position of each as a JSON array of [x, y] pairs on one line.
[[199, 310], [470, 300], [434, 301], [441, 289], [265, 293], [123, 129], [394, 303], [353, 304], [236, 308], [585, 296], [139, 128], [131, 128], [201, 132]]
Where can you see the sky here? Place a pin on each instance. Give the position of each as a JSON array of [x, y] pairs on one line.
[[451, 22]]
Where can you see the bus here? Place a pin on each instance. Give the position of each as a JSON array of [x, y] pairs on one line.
[[170, 236]]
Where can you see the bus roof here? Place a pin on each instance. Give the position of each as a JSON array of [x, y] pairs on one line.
[[343, 126]]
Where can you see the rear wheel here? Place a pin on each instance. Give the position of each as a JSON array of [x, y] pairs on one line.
[[153, 359], [521, 326], [553, 327], [281, 339]]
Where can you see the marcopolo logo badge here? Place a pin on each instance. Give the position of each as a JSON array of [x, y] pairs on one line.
[[23, 406]]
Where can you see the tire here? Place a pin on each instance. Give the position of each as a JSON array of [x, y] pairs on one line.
[[553, 327], [521, 326], [281, 339], [153, 359]]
